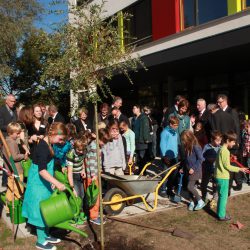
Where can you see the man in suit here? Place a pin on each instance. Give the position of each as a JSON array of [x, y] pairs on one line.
[[203, 116], [54, 115], [8, 114], [222, 101], [117, 114], [117, 102]]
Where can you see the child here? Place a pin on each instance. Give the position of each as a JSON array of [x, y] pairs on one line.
[[14, 130], [39, 184], [209, 153], [222, 173], [60, 151], [246, 145], [92, 170], [169, 153], [114, 161], [200, 134], [129, 136], [75, 166], [194, 159]]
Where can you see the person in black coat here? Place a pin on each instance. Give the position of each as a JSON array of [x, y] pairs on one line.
[[83, 123], [8, 114], [54, 115], [116, 114]]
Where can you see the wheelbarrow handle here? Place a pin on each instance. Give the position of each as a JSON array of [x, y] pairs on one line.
[[165, 171]]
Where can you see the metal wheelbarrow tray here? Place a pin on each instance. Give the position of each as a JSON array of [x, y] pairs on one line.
[[127, 188]]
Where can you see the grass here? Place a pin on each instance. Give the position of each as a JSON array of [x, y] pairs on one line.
[[209, 233]]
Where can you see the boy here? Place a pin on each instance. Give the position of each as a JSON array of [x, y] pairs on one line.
[[14, 130], [210, 152], [222, 173], [169, 153]]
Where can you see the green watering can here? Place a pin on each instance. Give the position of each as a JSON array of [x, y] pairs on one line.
[[62, 177], [26, 164], [58, 212]]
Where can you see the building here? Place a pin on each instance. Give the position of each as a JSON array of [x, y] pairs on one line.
[[197, 48]]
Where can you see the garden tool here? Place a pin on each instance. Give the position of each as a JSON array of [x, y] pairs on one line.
[[175, 231], [58, 212], [177, 197]]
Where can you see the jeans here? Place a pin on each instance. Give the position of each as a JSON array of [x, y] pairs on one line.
[[206, 177], [193, 191], [78, 184]]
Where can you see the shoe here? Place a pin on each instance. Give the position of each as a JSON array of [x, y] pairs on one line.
[[53, 240], [45, 246], [163, 194], [191, 206], [226, 218], [97, 221], [200, 205], [238, 187], [171, 193]]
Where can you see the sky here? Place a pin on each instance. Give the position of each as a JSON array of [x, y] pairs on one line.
[[48, 19]]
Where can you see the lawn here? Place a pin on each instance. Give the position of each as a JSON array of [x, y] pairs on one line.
[[209, 233]]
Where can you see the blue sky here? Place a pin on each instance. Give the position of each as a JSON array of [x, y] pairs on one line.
[[48, 19]]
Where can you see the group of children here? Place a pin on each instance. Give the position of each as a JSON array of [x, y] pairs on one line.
[[212, 162]]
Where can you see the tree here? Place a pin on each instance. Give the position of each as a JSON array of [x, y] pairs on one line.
[[90, 52], [16, 20]]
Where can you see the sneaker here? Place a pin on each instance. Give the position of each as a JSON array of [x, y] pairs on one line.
[[200, 205], [97, 221], [53, 240], [163, 194], [226, 218], [45, 246], [191, 206]]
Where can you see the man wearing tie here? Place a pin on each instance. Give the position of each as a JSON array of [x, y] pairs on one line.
[[8, 114]]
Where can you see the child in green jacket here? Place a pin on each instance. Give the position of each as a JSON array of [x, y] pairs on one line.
[[222, 173]]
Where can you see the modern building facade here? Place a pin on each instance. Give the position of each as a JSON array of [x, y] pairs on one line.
[[197, 48]]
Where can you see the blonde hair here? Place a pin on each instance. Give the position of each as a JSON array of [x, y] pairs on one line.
[[14, 127], [188, 140], [82, 110], [101, 125]]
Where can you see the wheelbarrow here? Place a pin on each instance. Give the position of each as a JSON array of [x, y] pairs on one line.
[[127, 188]]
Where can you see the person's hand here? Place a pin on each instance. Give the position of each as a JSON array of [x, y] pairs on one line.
[[41, 136], [244, 169], [94, 178], [27, 152], [26, 156], [83, 174], [60, 186], [181, 171], [64, 170], [130, 160], [33, 137], [191, 171], [74, 192]]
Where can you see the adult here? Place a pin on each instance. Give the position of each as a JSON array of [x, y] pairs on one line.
[[54, 115], [222, 101], [45, 111], [8, 114], [117, 102], [153, 125], [140, 126], [184, 119], [83, 123], [173, 109], [203, 115], [103, 115], [117, 115]]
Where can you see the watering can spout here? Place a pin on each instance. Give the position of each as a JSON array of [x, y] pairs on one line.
[[66, 225]]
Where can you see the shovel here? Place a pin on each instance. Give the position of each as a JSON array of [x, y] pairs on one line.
[[177, 197], [174, 232]]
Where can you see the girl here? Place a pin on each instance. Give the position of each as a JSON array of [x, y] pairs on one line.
[[40, 181], [194, 159], [114, 161], [129, 136], [92, 170], [222, 173]]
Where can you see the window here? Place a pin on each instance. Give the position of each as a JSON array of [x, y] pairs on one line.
[[189, 13], [139, 25], [211, 10], [247, 3]]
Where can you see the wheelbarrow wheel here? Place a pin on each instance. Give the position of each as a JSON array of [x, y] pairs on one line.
[[113, 195]]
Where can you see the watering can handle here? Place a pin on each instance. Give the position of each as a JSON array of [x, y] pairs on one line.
[[73, 196]]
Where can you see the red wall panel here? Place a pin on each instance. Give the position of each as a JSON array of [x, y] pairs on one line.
[[165, 18]]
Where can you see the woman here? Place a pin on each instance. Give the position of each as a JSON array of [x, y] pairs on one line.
[[37, 129], [40, 181], [184, 119], [82, 123]]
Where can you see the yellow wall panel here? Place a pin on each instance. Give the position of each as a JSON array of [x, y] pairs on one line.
[[234, 6]]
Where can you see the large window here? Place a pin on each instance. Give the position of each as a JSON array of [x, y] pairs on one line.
[[189, 13], [139, 25], [247, 3]]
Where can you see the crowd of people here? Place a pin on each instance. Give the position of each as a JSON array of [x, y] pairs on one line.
[[202, 140]]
